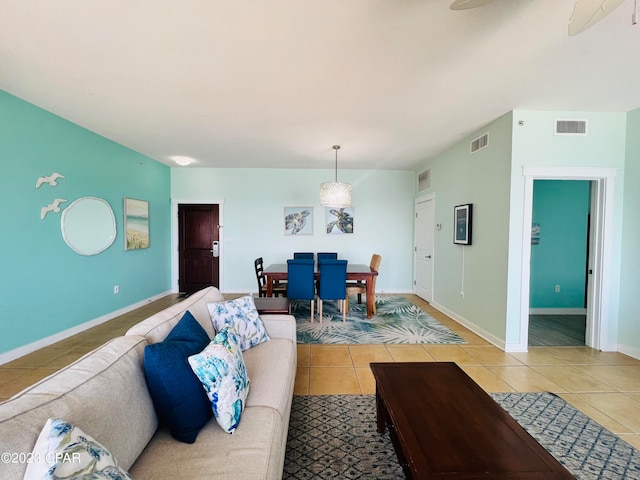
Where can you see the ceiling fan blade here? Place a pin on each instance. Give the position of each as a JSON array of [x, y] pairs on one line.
[[587, 13], [467, 4]]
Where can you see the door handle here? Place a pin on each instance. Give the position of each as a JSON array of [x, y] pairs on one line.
[[427, 256], [215, 248]]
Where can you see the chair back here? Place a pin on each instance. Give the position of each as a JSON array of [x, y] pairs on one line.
[[300, 279], [322, 256], [303, 255], [375, 262], [375, 265], [333, 280], [259, 267]]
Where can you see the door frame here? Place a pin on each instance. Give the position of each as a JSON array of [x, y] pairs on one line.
[[424, 198], [598, 294], [175, 238]]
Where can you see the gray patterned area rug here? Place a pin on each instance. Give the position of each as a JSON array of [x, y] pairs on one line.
[[334, 436], [397, 321]]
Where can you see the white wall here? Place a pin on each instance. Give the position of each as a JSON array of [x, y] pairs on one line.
[[493, 181], [629, 332], [253, 207], [536, 145], [470, 282]]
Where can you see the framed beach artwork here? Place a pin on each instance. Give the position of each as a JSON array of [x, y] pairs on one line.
[[298, 220], [339, 221], [136, 224], [462, 221]]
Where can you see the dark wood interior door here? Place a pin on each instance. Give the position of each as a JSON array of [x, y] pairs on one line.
[[198, 227]]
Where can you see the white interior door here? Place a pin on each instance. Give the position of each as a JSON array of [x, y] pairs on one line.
[[423, 256]]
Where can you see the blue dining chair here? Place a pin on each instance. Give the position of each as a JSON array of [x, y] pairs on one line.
[[326, 256], [301, 281], [332, 284], [303, 255]]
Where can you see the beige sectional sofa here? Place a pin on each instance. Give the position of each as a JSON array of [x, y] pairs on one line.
[[105, 394]]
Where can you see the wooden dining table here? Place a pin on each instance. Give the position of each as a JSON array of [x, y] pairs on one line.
[[355, 272]]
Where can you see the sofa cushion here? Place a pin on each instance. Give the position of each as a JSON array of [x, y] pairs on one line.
[[272, 369], [241, 315], [107, 383], [177, 394], [64, 451], [255, 451], [221, 370]]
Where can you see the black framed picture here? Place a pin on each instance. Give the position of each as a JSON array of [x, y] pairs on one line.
[[462, 222]]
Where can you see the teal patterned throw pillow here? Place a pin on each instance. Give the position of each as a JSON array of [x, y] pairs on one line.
[[220, 367], [241, 314], [63, 451]]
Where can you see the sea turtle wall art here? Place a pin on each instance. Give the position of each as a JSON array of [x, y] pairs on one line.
[[298, 220], [339, 220]]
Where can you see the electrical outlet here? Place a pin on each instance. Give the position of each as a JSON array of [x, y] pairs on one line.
[[557, 288], [116, 289]]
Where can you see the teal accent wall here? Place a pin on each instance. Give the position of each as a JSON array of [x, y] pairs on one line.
[[45, 287], [253, 202], [561, 208], [630, 271]]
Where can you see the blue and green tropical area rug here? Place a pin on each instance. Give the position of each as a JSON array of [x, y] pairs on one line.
[[397, 321], [334, 436]]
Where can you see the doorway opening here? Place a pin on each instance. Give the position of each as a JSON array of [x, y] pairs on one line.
[[600, 245], [559, 262]]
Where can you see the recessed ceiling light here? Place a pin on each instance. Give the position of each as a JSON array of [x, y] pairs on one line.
[[183, 161]]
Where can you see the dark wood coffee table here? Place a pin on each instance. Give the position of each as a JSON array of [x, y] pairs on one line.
[[443, 425], [269, 305]]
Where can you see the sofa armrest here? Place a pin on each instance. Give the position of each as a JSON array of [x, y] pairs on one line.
[[280, 326]]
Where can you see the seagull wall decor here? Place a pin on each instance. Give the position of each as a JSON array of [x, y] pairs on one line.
[[52, 180], [52, 207]]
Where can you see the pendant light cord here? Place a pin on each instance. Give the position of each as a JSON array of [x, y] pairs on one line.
[[336, 148]]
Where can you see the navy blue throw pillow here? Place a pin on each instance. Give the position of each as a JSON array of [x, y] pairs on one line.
[[179, 399]]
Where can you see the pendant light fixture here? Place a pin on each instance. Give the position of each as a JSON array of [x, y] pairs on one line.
[[335, 194]]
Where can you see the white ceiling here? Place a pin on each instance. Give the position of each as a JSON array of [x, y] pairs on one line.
[[275, 83]]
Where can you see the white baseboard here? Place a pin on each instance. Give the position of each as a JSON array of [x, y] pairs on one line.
[[631, 351], [557, 311], [394, 291], [517, 348], [471, 326], [50, 340]]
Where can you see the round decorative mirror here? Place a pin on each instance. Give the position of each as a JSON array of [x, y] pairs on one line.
[[88, 225]]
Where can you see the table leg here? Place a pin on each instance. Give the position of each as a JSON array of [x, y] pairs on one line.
[[370, 297], [381, 414], [269, 286]]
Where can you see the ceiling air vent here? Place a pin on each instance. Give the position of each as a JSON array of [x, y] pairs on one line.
[[571, 127], [480, 143], [424, 181]]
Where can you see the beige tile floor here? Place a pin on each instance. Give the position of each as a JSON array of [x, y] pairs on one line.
[[605, 386]]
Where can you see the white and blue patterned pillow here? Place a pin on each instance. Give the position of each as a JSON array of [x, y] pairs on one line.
[[241, 314], [220, 367], [64, 451]]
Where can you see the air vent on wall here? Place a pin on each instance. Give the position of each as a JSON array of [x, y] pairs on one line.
[[480, 143], [424, 181], [571, 127]]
